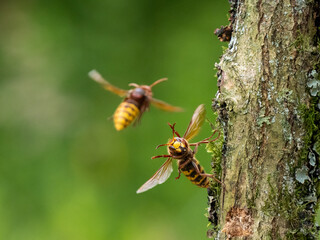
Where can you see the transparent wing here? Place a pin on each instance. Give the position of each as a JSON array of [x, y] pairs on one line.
[[159, 177], [96, 76], [165, 106], [195, 123]]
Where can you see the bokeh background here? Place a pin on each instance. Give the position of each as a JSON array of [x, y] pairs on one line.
[[65, 173]]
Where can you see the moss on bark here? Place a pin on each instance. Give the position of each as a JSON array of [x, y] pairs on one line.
[[270, 118]]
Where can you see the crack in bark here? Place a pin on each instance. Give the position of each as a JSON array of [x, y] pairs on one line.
[[261, 16], [264, 91], [237, 193], [294, 30], [266, 74]]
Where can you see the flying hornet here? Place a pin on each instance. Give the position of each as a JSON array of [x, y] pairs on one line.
[[179, 149], [136, 101]]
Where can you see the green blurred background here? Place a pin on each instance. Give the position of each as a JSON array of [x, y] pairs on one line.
[[65, 171]]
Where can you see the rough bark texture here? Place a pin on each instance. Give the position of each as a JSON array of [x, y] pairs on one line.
[[270, 120]]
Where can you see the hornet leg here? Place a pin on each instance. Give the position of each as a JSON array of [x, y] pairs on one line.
[[206, 140], [165, 156], [179, 174]]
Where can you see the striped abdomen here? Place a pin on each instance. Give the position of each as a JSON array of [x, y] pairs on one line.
[[125, 114], [190, 172]]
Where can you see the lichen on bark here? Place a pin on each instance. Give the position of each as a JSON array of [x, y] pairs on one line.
[[270, 118]]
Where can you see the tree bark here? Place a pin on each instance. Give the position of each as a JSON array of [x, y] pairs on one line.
[[268, 107]]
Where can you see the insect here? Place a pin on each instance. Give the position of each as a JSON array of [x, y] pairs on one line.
[[135, 103], [179, 149]]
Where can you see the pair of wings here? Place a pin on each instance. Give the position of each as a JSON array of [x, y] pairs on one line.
[[165, 170], [96, 76]]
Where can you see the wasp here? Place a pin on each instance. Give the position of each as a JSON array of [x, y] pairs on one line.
[[136, 101], [179, 149]]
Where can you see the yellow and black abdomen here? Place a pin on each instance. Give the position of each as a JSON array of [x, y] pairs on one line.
[[191, 173], [125, 114]]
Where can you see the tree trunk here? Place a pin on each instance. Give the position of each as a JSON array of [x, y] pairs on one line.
[[268, 107]]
